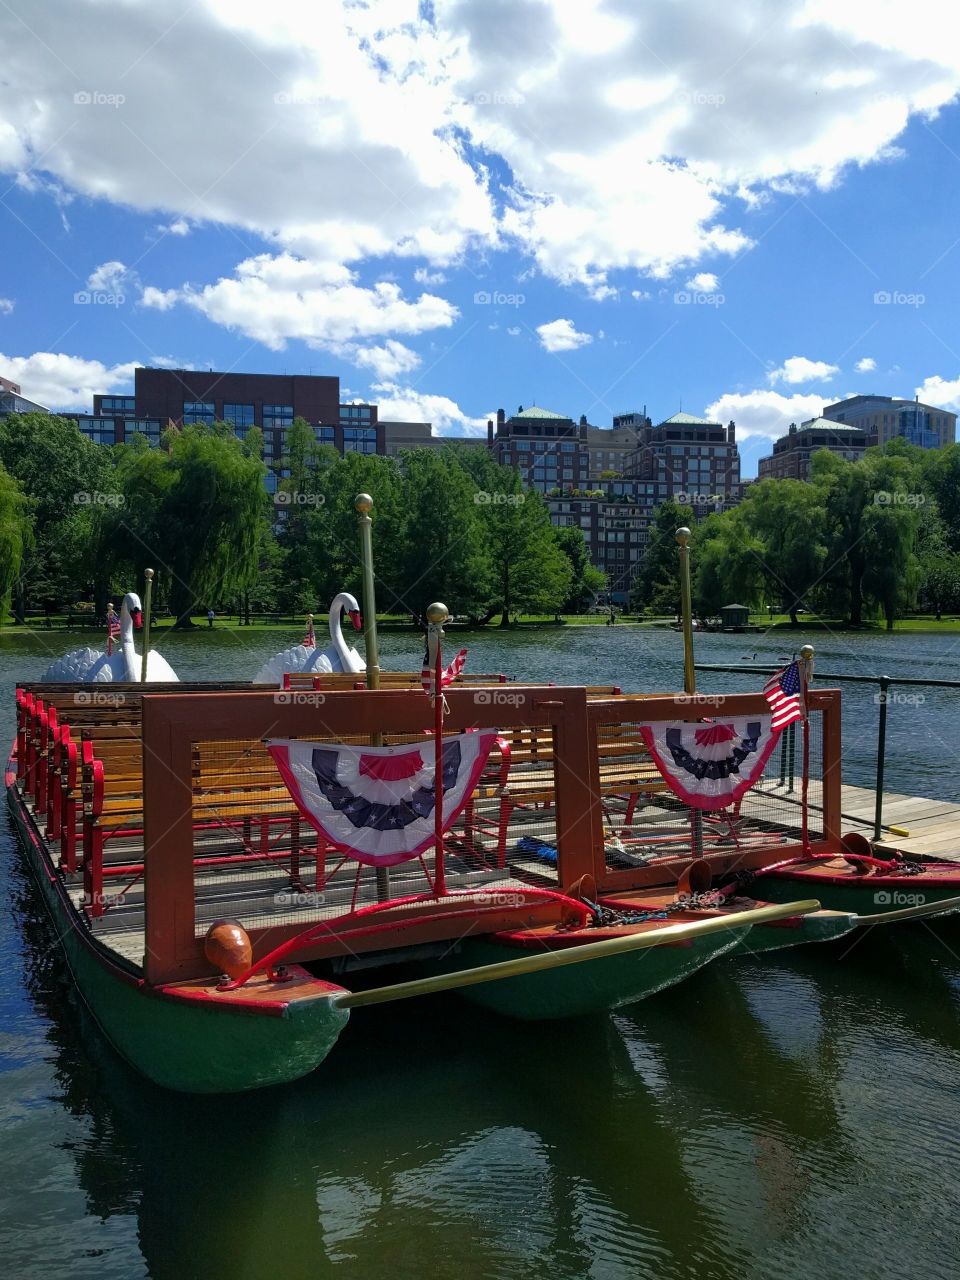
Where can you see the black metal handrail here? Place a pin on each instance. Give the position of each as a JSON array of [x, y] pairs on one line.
[[884, 683]]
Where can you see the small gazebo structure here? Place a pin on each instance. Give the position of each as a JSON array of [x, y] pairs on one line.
[[734, 617]]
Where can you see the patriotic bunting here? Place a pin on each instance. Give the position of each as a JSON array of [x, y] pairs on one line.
[[377, 803], [711, 765]]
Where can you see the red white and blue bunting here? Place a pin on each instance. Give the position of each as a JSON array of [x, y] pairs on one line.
[[710, 766], [377, 803]]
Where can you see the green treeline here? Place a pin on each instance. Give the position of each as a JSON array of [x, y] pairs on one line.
[[859, 540], [79, 522]]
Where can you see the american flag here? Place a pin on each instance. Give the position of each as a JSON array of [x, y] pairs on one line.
[[783, 692], [113, 629], [308, 641], [447, 677]]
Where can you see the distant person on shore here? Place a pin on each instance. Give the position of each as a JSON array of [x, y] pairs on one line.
[[210, 617]]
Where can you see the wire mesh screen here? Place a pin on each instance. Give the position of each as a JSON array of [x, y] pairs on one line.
[[258, 859], [644, 820]]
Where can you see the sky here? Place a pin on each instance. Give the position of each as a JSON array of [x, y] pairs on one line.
[[596, 206]]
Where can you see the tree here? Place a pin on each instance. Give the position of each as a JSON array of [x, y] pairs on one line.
[[728, 563], [69, 483], [445, 555], [657, 584], [587, 582], [16, 533], [195, 511], [787, 518]]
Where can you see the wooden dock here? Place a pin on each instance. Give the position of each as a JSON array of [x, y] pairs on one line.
[[934, 825]]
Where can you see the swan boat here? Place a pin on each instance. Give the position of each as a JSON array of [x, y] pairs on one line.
[[221, 934], [306, 657], [90, 666]]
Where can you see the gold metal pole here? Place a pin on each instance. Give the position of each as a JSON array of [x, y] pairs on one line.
[[579, 954], [147, 594], [686, 612], [364, 505]]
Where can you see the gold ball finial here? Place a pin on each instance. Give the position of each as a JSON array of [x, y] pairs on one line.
[[806, 652], [437, 612], [363, 503], [148, 574], [683, 535]]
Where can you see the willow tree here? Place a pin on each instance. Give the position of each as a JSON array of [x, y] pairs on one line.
[[66, 478], [195, 511], [15, 536]]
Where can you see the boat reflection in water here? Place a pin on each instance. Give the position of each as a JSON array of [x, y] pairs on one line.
[[755, 1104]]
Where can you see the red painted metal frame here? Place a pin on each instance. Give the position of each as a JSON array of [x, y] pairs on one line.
[[171, 723]]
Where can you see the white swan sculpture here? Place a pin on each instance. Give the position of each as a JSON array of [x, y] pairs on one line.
[[338, 656], [91, 666]]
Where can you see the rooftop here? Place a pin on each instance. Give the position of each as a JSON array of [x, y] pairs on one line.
[[536, 412], [687, 420]]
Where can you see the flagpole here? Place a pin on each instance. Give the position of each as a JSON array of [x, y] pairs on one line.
[[147, 593], [363, 504], [806, 675], [437, 614], [689, 670], [109, 632]]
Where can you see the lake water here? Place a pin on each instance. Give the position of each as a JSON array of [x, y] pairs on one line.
[[789, 1118]]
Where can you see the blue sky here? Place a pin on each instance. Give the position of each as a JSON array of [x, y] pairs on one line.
[[592, 207]]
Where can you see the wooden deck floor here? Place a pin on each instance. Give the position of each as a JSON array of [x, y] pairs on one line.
[[934, 825]]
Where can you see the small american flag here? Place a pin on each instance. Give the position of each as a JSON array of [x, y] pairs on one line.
[[783, 692], [113, 629], [308, 641], [447, 677]]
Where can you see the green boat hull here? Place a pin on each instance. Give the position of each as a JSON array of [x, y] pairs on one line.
[[187, 1045], [819, 926], [865, 897], [578, 990]]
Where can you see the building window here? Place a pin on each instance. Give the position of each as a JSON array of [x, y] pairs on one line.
[[149, 427], [353, 413], [277, 415], [324, 435], [198, 411], [241, 415], [121, 406]]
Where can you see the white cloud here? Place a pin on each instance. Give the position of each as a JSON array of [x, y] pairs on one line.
[[405, 404], [6, 306], [514, 330], [342, 133], [800, 369], [866, 365], [941, 392], [561, 335], [179, 227], [109, 277], [423, 275], [159, 299], [766, 414], [641, 295], [386, 361], [65, 382], [273, 298], [703, 282]]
